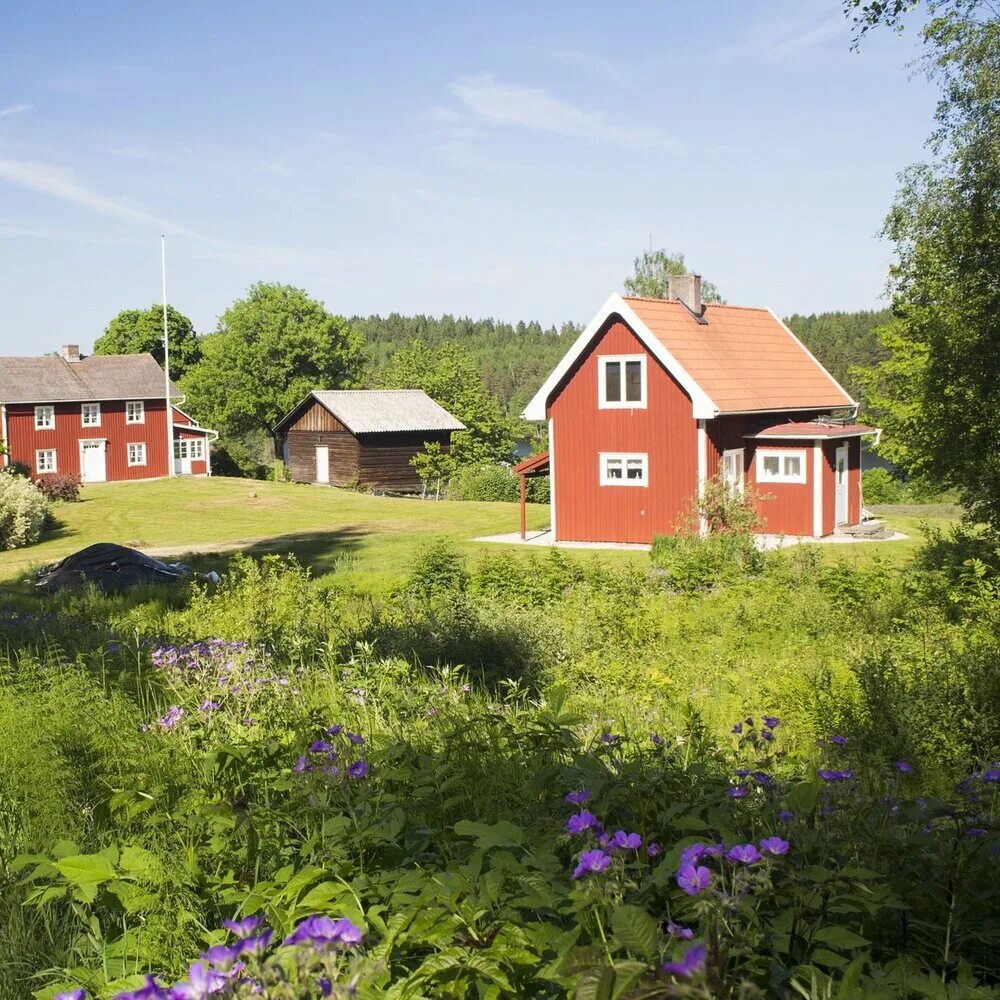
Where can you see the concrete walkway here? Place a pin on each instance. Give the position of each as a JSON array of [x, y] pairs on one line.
[[766, 543]]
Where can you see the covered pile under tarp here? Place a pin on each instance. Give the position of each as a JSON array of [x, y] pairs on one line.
[[111, 567]]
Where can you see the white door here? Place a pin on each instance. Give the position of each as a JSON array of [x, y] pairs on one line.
[[323, 464], [841, 481], [182, 457], [92, 467]]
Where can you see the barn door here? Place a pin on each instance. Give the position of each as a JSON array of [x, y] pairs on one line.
[[322, 464]]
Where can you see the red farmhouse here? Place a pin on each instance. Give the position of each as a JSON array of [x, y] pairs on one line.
[[657, 396], [102, 418]]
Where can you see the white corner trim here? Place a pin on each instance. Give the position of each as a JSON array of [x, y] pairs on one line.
[[552, 483], [702, 405], [818, 488], [818, 364], [6, 442], [702, 473]]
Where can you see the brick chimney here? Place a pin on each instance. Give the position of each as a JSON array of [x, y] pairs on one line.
[[687, 289], [70, 352]]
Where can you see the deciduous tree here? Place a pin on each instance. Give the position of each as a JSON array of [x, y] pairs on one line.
[[654, 267], [139, 331]]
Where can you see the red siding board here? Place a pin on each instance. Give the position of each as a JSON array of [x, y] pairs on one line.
[[664, 429]]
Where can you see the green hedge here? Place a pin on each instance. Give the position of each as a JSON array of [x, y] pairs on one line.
[[495, 483]]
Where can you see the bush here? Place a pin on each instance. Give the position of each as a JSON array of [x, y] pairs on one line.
[[65, 487], [879, 486], [23, 512], [278, 472], [496, 484]]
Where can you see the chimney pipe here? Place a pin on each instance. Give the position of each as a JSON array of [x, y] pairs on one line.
[[687, 289], [70, 352]]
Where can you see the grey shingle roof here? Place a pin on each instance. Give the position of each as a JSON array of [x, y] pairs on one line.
[[97, 377], [375, 411]]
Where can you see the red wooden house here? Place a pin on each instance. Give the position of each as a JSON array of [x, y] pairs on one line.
[[657, 396], [103, 418]]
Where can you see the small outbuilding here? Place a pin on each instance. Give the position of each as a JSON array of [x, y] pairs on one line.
[[363, 436]]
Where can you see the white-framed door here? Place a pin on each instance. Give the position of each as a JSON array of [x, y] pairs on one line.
[[322, 464], [182, 457], [840, 482], [732, 470], [93, 462]]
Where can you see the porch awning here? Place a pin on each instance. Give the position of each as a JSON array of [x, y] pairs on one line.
[[807, 431]]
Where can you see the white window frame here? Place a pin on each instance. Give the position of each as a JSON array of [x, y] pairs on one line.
[[196, 444], [741, 452], [142, 411], [45, 425], [603, 360], [91, 408], [128, 452], [781, 454], [181, 449], [624, 457], [38, 461]]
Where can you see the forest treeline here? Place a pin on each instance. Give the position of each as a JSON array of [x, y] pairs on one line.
[[515, 358]]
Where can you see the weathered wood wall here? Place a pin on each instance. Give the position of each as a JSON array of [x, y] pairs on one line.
[[343, 445], [385, 458]]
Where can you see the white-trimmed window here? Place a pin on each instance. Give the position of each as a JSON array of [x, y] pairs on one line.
[[196, 449], [45, 418], [45, 461], [90, 414], [781, 466], [624, 469], [135, 412], [621, 381], [137, 453], [732, 470]]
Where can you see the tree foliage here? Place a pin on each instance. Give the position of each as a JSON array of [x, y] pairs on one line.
[[140, 331], [938, 393], [271, 349], [450, 376], [654, 267]]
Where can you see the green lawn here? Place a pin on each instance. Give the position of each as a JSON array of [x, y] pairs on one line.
[[371, 537]]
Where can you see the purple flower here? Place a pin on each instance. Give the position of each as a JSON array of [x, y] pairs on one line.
[[653, 850], [772, 721], [903, 767], [359, 769], [835, 775], [245, 927], [319, 746], [151, 991], [202, 982], [738, 792], [691, 964], [302, 764], [209, 706], [610, 738], [334, 730], [355, 738], [657, 739], [763, 778], [627, 841], [592, 863], [675, 930], [323, 931], [325, 986], [992, 774], [222, 955], [774, 845], [693, 880], [173, 716], [72, 995], [693, 854], [786, 816], [737, 729], [255, 945], [583, 820], [766, 734], [579, 798], [743, 854], [841, 741]]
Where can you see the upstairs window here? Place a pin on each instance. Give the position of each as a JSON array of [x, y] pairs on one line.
[[90, 414], [135, 412], [781, 466], [619, 469], [45, 418], [621, 381]]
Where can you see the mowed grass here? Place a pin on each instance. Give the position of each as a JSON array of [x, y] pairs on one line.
[[372, 539]]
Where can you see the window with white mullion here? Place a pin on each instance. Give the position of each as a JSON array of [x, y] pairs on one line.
[[135, 412], [45, 418], [621, 381], [624, 469], [780, 466], [90, 414], [45, 461]]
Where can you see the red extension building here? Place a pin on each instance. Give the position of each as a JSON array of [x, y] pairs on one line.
[[657, 396], [102, 418]]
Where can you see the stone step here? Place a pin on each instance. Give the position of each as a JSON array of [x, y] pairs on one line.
[[868, 529]]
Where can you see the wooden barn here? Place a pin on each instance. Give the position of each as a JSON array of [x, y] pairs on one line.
[[657, 396], [363, 436]]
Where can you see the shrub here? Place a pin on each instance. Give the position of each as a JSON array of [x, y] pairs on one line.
[[278, 472], [65, 487], [495, 483], [23, 512], [879, 486]]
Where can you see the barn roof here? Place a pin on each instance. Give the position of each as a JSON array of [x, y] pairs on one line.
[[94, 378], [379, 411], [734, 359]]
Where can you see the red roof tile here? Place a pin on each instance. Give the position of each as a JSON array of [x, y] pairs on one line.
[[808, 429]]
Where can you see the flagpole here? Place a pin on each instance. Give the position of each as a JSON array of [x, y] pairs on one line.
[[166, 360]]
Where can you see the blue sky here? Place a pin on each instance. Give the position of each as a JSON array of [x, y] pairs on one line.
[[486, 159]]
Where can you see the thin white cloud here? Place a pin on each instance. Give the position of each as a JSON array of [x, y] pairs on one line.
[[13, 109], [832, 27], [775, 41], [537, 109], [57, 182]]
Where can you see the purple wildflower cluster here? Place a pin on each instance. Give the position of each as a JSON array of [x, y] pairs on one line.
[[598, 860], [749, 734], [322, 756], [694, 877]]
